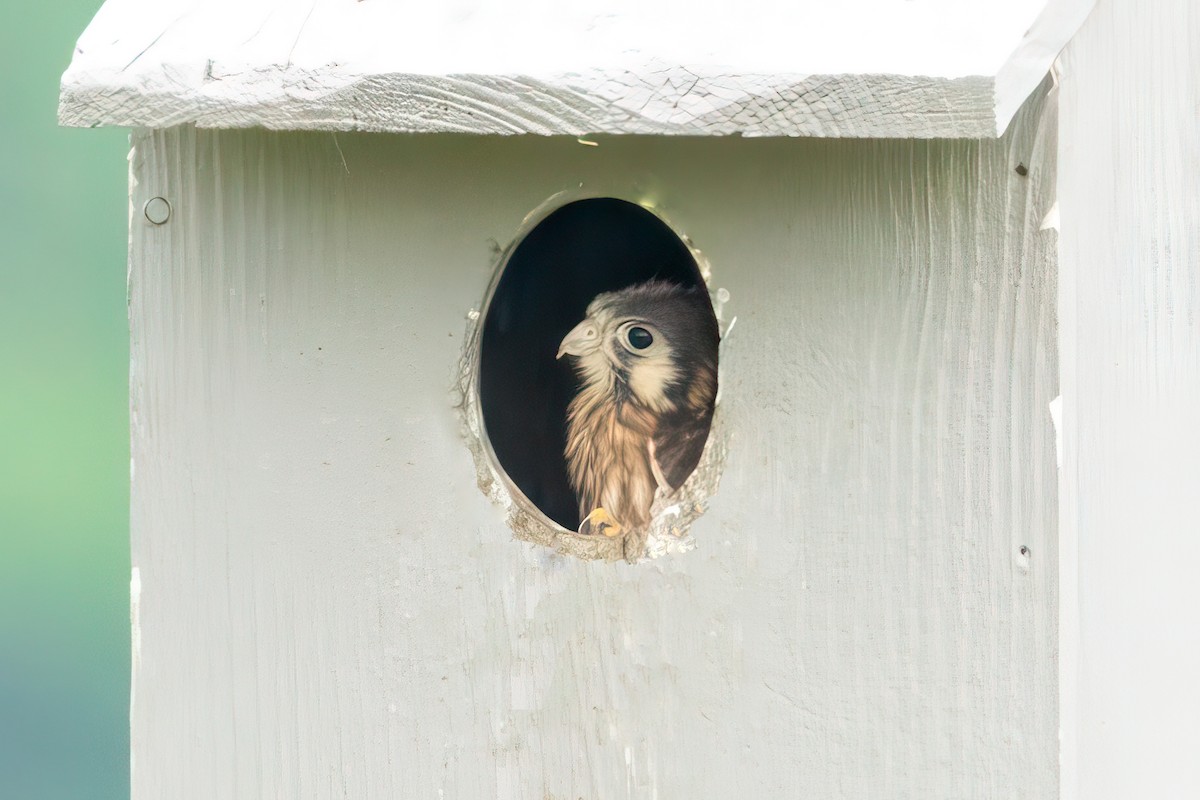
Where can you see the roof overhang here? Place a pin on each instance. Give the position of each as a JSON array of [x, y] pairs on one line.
[[854, 68]]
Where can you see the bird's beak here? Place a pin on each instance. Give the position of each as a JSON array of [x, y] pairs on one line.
[[582, 339]]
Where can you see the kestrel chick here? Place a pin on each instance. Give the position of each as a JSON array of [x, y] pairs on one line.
[[646, 357]]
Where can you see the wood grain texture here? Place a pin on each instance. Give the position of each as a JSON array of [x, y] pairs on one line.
[[330, 606], [1129, 197], [858, 68]]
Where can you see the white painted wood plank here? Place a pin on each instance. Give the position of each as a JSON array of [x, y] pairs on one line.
[[1129, 197], [330, 607], [865, 68]]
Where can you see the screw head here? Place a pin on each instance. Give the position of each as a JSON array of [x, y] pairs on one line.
[[157, 210]]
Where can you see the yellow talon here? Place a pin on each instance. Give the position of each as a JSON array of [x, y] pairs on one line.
[[600, 521]]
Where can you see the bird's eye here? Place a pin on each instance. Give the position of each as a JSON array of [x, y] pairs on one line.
[[640, 338]]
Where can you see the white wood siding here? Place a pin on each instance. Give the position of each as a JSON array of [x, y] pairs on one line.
[[329, 606], [1130, 308]]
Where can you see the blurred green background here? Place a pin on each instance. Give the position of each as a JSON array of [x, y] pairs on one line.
[[64, 451]]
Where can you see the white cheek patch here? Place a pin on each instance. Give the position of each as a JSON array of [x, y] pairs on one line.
[[596, 369], [651, 376]]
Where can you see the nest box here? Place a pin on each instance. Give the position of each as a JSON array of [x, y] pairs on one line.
[[357, 565]]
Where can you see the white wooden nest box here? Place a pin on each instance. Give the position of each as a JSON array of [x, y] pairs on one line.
[[331, 201]]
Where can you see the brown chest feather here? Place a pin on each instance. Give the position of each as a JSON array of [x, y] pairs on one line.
[[608, 459]]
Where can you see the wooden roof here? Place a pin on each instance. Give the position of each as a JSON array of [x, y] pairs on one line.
[[860, 68]]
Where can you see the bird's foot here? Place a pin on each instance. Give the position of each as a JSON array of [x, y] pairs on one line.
[[600, 521]]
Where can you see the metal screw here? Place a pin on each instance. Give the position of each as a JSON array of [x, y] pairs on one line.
[[157, 210]]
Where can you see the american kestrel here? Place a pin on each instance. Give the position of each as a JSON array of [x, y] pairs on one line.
[[646, 357]]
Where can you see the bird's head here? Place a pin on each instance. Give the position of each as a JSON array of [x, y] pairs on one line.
[[652, 339]]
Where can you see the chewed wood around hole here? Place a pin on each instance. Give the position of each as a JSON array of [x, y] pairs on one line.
[[589, 383]]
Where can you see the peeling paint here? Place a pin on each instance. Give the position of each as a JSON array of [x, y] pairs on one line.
[[1050, 221]]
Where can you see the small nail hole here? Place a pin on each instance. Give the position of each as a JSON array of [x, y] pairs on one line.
[[1025, 551]]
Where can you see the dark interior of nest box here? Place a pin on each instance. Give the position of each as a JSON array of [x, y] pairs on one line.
[[576, 252]]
